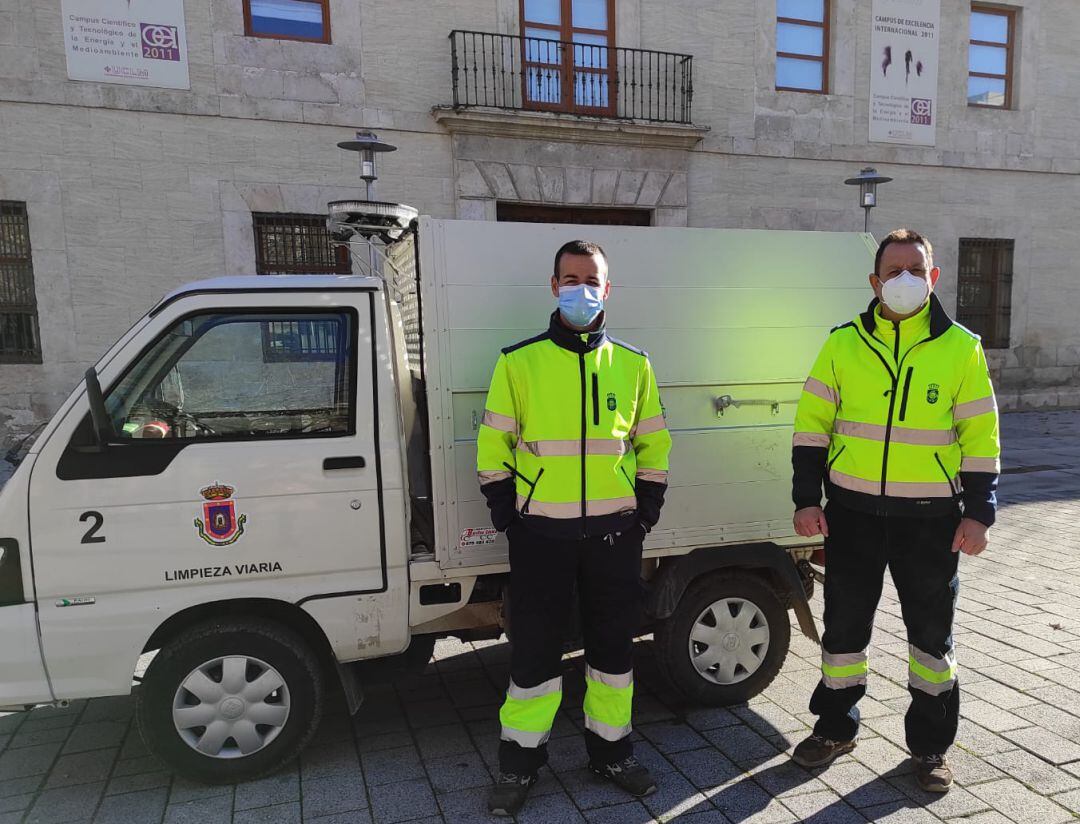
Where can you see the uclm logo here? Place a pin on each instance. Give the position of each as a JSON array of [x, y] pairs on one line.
[[920, 111], [160, 42]]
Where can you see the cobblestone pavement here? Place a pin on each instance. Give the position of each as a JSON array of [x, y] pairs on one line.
[[423, 748]]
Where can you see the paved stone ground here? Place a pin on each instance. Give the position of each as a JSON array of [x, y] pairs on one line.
[[423, 748]]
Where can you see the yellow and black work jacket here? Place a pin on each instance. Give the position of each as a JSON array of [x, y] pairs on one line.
[[573, 439], [900, 419]]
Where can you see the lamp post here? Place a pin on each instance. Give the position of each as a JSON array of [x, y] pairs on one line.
[[867, 180], [367, 145]]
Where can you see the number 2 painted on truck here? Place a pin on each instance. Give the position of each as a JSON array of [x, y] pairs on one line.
[[91, 536]]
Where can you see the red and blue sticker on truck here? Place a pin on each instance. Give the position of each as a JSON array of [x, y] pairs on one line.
[[220, 524]]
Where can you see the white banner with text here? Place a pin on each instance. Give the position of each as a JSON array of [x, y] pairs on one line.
[[136, 42], [904, 71]]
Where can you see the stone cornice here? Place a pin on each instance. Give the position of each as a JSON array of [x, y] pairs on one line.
[[566, 127]]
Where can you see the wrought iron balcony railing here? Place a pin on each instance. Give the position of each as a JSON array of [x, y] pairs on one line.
[[512, 72]]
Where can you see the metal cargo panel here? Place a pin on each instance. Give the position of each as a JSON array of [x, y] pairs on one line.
[[732, 312]]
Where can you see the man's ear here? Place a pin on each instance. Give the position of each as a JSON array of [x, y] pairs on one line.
[[875, 284], [607, 289], [554, 286], [935, 273]]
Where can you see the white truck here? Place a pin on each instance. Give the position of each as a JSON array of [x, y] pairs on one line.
[[267, 478]]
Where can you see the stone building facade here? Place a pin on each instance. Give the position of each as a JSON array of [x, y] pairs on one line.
[[130, 190]]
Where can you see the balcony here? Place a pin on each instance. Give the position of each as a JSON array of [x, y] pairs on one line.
[[510, 72]]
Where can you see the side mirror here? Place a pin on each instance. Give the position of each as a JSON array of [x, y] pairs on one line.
[[103, 430]]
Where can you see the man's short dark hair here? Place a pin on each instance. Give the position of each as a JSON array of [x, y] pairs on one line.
[[903, 236], [578, 247]]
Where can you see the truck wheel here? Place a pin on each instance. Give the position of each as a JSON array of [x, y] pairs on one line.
[[726, 640], [230, 701]]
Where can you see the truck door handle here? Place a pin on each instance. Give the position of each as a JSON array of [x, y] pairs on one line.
[[347, 462]]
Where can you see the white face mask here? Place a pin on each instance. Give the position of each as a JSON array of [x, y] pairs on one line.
[[905, 293]]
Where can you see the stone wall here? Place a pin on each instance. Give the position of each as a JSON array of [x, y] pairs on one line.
[[124, 206]]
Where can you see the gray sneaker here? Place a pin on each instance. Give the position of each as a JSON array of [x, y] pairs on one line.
[[817, 751]]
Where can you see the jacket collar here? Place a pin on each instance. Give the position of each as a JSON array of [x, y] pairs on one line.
[[579, 342], [939, 318]]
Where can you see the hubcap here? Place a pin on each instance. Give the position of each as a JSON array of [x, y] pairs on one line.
[[231, 707], [729, 640]]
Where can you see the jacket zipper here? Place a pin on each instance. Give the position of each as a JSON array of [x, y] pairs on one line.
[[892, 401], [948, 480], [633, 488], [584, 425], [892, 392], [907, 386], [892, 405], [595, 400]]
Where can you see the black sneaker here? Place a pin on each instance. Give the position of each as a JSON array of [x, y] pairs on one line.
[[817, 751], [627, 774], [933, 773], [509, 793]]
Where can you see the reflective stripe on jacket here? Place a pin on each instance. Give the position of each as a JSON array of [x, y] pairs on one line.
[[574, 433], [899, 418]]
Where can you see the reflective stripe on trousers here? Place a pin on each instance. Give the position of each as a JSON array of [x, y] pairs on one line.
[[929, 673], [608, 702], [528, 712], [840, 670]]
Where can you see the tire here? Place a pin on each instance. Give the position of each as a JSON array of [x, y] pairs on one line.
[[717, 688], [196, 658]]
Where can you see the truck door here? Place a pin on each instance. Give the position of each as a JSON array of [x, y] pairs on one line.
[[244, 466], [23, 681]]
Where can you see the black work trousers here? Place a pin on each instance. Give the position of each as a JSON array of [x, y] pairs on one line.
[[543, 575], [918, 553]]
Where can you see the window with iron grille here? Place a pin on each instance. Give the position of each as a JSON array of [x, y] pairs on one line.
[[19, 338], [293, 244], [984, 289]]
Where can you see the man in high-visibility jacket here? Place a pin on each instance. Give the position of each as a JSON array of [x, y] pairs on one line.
[[899, 419], [573, 461]]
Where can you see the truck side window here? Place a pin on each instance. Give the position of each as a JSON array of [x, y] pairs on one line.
[[235, 375]]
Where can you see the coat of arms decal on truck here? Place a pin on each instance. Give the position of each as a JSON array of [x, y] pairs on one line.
[[222, 525]]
